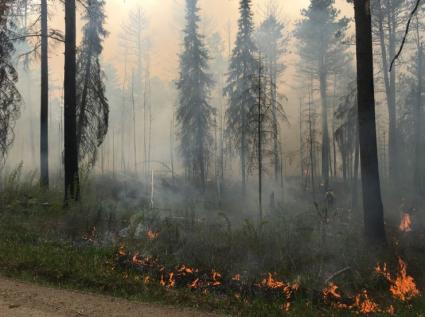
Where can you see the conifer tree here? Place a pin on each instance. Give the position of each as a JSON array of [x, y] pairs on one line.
[[92, 105], [271, 43], [242, 98], [194, 113], [10, 98], [321, 34]]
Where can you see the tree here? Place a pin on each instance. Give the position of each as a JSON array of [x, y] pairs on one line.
[[271, 42], [372, 201], [44, 105], [70, 100], [194, 113], [92, 105], [387, 24], [321, 35], [242, 69], [10, 98]]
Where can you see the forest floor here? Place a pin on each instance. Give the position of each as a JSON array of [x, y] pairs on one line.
[[19, 299]]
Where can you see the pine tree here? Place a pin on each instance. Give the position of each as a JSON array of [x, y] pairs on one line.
[[320, 34], [44, 102], [242, 98], [10, 98], [92, 105], [194, 113], [70, 105], [271, 42], [372, 202]]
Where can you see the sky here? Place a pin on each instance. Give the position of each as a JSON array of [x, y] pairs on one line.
[[165, 22]]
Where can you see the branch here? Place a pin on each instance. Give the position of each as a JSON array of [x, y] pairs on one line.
[[405, 34]]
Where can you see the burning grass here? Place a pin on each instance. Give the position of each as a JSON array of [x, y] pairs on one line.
[[276, 270]]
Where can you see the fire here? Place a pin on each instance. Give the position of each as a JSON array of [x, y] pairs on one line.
[[215, 277], [162, 281], [237, 277], [364, 304], [403, 287], [270, 282], [186, 270], [194, 284], [121, 251], [152, 235], [171, 280], [147, 280], [331, 291], [406, 223]]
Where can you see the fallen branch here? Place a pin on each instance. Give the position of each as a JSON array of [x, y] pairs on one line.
[[337, 273]]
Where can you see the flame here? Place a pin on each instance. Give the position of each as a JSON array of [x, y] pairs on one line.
[[162, 281], [364, 304], [152, 235], [121, 251], [171, 280], [331, 291], [194, 284], [286, 306], [215, 277], [237, 277], [147, 280], [186, 270], [406, 223], [270, 282], [403, 287]]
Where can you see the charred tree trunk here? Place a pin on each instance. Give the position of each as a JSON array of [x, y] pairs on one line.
[[325, 130], [372, 201], [71, 151], [44, 113], [419, 149]]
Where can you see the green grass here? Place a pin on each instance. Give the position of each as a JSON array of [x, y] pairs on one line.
[[42, 242], [25, 256]]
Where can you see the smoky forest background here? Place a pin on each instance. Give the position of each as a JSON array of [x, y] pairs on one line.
[[253, 157]]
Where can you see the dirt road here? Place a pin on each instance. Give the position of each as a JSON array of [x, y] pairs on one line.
[[19, 299]]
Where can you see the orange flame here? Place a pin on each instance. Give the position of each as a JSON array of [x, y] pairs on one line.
[[185, 270], [121, 251], [237, 277], [147, 280], [194, 284], [331, 291], [162, 281], [406, 223], [270, 282], [403, 287], [215, 277], [171, 281], [364, 304], [152, 235]]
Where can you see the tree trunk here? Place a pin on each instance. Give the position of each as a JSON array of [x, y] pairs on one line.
[[44, 113], [71, 153], [325, 130], [419, 169], [389, 82], [372, 202]]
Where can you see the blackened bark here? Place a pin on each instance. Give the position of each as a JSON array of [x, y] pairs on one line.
[[419, 168], [71, 149], [44, 114], [372, 201], [325, 129]]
